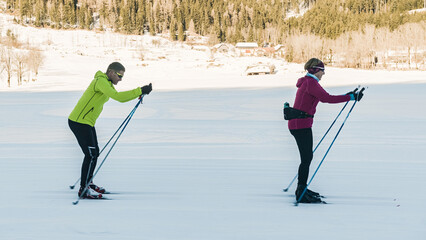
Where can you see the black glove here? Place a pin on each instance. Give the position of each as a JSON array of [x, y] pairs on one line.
[[146, 89], [352, 92], [358, 95]]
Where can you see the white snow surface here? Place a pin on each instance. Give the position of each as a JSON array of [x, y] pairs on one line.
[[208, 153]]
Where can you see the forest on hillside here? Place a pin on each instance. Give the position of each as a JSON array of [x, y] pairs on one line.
[[223, 20]]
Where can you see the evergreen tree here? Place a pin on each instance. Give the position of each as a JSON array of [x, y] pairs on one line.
[[172, 29], [125, 18], [40, 13], [158, 19], [141, 16], [88, 19], [150, 14], [25, 11], [103, 14], [181, 34]]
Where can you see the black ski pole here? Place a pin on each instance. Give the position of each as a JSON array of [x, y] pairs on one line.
[[325, 155], [125, 120], [112, 146]]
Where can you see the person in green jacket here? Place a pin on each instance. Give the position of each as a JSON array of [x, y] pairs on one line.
[[83, 118]]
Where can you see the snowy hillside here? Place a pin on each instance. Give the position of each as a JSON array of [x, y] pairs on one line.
[[73, 56]]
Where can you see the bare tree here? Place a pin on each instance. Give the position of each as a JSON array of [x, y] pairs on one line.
[[304, 46], [20, 62], [35, 59], [411, 37], [1, 57], [6, 60], [383, 42], [363, 49]]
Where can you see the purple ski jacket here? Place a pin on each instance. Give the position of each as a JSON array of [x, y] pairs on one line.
[[309, 93]]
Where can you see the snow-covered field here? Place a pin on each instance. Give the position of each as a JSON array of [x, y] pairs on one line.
[[208, 153], [211, 164]]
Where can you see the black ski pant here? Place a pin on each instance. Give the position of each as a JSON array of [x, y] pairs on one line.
[[86, 138], [304, 142]]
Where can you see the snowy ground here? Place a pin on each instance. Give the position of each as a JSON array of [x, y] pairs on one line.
[[211, 164], [208, 153]]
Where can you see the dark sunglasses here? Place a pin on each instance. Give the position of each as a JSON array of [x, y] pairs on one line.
[[119, 75]]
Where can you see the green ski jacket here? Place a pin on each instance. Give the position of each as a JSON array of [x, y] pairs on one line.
[[90, 105]]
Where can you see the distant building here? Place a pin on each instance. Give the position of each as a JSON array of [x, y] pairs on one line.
[[278, 47], [221, 48], [247, 48], [248, 45], [279, 50], [260, 52]]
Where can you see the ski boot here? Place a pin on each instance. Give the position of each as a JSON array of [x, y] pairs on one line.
[[314, 193], [308, 197], [89, 194], [97, 188]]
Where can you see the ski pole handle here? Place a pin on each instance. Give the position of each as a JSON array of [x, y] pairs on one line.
[[360, 94]]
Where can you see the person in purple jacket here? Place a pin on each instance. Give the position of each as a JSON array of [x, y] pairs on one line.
[[308, 95]]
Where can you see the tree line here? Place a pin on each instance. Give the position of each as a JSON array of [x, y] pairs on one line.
[[19, 59], [222, 20], [402, 48], [347, 33]]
